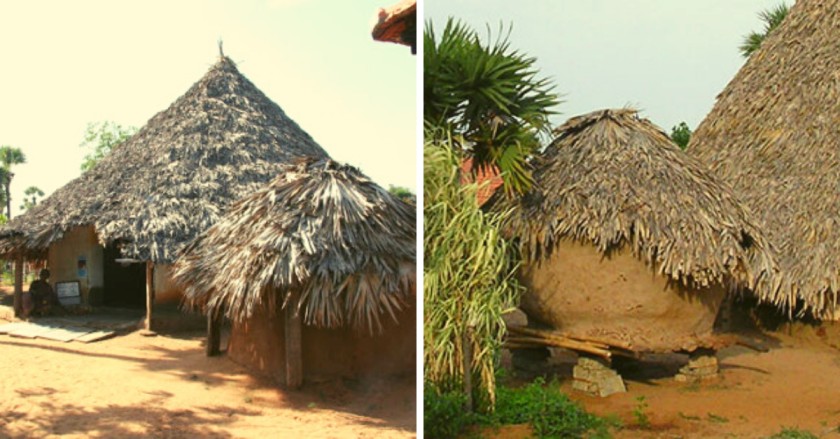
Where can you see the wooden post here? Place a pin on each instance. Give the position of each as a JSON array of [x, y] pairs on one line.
[[214, 334], [294, 356], [150, 296], [18, 298]]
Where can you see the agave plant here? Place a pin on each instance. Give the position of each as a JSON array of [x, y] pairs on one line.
[[468, 280], [489, 96]]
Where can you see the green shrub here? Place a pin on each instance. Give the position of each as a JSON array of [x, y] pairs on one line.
[[444, 416], [550, 412], [793, 433]]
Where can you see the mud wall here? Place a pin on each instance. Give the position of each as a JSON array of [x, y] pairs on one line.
[[166, 290], [79, 243], [327, 353], [581, 291]]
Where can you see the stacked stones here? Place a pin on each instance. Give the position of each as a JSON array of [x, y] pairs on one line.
[[594, 376], [700, 367]]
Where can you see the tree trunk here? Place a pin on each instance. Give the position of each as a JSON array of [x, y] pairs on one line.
[[9, 197]]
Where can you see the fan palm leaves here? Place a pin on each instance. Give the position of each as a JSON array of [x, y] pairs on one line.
[[489, 96]]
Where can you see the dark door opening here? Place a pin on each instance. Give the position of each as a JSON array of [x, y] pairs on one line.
[[125, 284]]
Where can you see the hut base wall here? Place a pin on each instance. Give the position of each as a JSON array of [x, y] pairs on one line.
[[166, 290], [327, 353], [581, 291]]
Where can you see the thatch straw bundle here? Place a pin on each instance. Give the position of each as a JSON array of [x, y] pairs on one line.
[[774, 136], [320, 229], [172, 180], [613, 179]]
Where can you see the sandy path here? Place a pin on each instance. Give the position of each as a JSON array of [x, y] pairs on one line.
[[796, 384], [135, 386]]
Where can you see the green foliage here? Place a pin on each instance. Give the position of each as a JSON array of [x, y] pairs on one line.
[[444, 416], [640, 412], [681, 134], [30, 199], [550, 413], [468, 278], [488, 96], [403, 193], [793, 433], [101, 138], [772, 18], [3, 219]]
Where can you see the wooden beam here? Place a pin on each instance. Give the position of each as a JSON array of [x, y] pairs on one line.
[[214, 333], [150, 295], [294, 355], [18, 297]]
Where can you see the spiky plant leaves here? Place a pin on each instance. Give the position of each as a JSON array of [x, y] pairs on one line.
[[772, 18], [489, 96]]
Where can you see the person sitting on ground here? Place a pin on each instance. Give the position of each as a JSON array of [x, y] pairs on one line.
[[44, 298]]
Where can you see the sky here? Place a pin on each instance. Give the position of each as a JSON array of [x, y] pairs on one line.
[[66, 64], [667, 58]]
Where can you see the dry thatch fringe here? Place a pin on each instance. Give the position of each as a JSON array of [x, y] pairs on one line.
[[320, 228], [773, 136], [611, 179], [157, 191]]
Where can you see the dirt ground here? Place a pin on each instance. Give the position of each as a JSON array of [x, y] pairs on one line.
[[796, 384], [165, 387]]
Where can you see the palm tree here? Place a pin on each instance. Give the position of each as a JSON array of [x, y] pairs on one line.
[[30, 199], [772, 18], [9, 156], [488, 96]]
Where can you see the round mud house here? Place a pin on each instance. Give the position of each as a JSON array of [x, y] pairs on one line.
[[630, 242], [316, 271]]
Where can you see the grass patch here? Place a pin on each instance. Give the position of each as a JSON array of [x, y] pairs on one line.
[[793, 433], [549, 412], [717, 419], [640, 413]]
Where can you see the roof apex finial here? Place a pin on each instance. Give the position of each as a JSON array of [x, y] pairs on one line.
[[221, 52]]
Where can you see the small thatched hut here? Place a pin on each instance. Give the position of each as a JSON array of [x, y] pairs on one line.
[[323, 244], [630, 241], [773, 136], [154, 193], [397, 24]]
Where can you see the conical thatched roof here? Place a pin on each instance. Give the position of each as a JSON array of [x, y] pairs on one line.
[[612, 179], [321, 229], [774, 136], [176, 176]]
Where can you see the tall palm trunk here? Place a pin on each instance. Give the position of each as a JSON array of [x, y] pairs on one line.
[[8, 196]]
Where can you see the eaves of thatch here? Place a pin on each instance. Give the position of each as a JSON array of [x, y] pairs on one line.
[[173, 179], [319, 229], [774, 136], [613, 179]]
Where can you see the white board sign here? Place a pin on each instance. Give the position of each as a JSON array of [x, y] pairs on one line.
[[68, 293]]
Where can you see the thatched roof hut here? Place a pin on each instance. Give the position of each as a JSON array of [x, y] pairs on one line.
[[176, 176], [321, 229], [614, 185], [397, 24], [773, 136], [321, 240]]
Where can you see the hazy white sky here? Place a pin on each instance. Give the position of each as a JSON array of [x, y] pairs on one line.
[[668, 58], [67, 63]]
